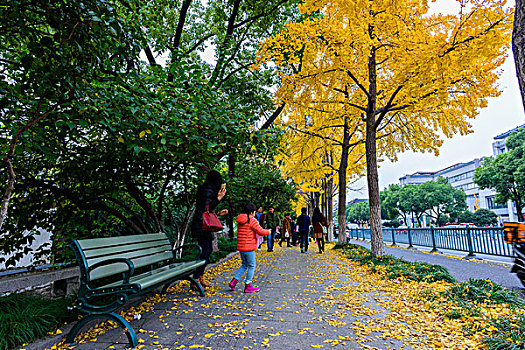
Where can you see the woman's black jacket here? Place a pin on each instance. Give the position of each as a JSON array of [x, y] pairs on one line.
[[206, 195]]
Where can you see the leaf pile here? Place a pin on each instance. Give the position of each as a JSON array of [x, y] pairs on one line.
[[396, 268]]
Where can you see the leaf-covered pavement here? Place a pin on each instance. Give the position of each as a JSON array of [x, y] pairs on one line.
[[306, 301]]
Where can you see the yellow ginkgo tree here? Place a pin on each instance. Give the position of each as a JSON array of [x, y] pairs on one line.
[[399, 76], [319, 150]]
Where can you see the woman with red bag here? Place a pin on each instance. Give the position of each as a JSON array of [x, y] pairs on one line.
[[208, 196]]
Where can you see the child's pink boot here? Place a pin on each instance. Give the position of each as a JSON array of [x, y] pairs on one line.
[[233, 283], [249, 288]]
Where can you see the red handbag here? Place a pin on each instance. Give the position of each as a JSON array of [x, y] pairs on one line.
[[210, 221]]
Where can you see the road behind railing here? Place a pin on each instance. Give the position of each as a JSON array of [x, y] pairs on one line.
[[474, 240]]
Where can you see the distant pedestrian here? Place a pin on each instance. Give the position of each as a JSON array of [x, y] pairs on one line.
[[273, 223], [259, 216], [247, 230], [286, 233], [295, 234], [303, 227], [319, 222]]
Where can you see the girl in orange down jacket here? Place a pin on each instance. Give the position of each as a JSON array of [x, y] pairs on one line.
[[247, 228]]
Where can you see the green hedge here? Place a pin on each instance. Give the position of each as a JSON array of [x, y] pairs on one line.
[[226, 246]]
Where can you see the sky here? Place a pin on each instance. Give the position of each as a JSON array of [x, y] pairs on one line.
[[502, 113]]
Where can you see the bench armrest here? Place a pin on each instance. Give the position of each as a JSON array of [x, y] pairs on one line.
[[127, 274]]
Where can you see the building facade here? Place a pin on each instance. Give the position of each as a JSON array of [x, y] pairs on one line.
[[461, 176]]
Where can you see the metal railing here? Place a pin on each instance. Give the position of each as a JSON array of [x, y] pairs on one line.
[[470, 239]]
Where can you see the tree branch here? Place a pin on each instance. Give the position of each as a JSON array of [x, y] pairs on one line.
[[272, 118], [178, 32]]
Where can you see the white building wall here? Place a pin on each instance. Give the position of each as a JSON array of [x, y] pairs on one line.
[[43, 237]]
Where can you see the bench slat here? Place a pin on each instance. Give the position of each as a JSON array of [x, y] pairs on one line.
[[120, 240], [135, 254], [150, 278], [138, 247], [113, 269]]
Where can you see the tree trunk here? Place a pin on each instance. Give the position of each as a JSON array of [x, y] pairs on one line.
[[231, 170], [181, 235], [341, 205], [8, 192], [9, 155], [372, 177], [518, 45], [519, 209], [330, 217], [323, 197]]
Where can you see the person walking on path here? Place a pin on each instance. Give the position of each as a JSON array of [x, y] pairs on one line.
[[273, 223], [247, 230], [208, 196], [295, 234], [319, 222], [303, 227], [259, 216], [286, 233]]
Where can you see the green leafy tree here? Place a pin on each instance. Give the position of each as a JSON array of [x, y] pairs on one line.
[[467, 217], [444, 219], [358, 213], [103, 143], [440, 198], [485, 217], [261, 183], [52, 53], [405, 200], [506, 173]]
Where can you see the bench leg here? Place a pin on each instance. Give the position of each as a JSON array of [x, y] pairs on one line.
[[188, 278], [132, 336]]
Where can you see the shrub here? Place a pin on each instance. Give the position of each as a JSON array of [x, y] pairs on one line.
[[226, 246], [26, 318]]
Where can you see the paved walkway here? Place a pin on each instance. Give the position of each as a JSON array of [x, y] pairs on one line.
[[306, 301], [461, 269], [288, 312]]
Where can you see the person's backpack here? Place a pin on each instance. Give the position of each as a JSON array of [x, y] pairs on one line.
[[302, 222]]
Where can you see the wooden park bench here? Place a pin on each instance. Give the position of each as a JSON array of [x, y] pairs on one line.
[[116, 269]]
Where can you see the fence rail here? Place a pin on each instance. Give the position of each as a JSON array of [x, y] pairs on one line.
[[473, 240]]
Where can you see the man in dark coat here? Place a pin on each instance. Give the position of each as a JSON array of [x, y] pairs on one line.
[[273, 223]]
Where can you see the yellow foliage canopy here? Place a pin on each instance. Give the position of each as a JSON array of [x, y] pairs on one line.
[[415, 75], [389, 74]]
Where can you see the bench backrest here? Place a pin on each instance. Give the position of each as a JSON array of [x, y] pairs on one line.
[[142, 250]]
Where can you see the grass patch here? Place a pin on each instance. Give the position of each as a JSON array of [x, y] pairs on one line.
[[463, 299], [482, 291], [26, 318], [396, 268], [508, 334]]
